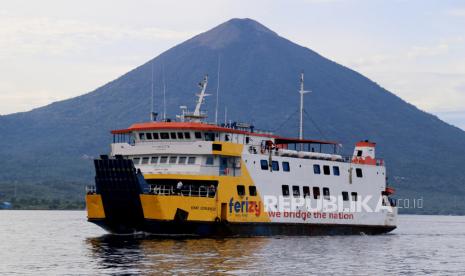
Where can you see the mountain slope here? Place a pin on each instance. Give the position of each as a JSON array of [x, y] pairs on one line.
[[259, 83]]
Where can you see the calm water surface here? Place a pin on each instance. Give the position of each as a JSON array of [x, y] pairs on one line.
[[63, 243]]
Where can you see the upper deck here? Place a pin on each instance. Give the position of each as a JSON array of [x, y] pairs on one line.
[[198, 131]]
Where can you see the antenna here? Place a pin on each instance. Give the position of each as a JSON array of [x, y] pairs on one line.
[[302, 92], [197, 115], [182, 117], [164, 91], [202, 95], [151, 101], [217, 89], [225, 115]]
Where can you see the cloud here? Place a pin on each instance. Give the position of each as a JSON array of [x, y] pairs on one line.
[[45, 59], [320, 1], [428, 51], [46, 35], [430, 91], [370, 60], [456, 117], [456, 12], [13, 101]]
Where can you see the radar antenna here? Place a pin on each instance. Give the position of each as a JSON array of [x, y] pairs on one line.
[[217, 89], [198, 114], [153, 114], [302, 92]]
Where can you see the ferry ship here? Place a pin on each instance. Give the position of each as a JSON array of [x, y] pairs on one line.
[[188, 177]]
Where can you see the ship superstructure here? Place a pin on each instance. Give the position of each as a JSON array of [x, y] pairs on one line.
[[189, 177]]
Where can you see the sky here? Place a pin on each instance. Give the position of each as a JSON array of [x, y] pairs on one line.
[[52, 50]]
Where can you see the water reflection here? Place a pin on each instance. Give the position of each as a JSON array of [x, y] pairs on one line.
[[428, 245], [136, 254]]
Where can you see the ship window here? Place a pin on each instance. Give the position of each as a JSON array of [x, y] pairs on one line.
[[149, 136], [209, 160], [209, 136], [155, 136], [182, 160], [359, 153], [354, 196], [358, 172], [252, 190], [180, 135], [191, 160], [142, 136], [336, 170], [164, 135], [154, 160], [173, 135], [285, 189], [226, 137], [326, 193], [136, 160], [316, 169], [296, 191], [264, 164], [163, 159], [240, 190], [247, 139], [173, 159], [187, 135], [326, 170], [286, 167], [145, 160], [275, 165], [217, 147], [198, 135], [306, 191], [345, 196], [316, 192]]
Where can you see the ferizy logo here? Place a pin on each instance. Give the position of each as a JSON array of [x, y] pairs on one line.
[[244, 206]]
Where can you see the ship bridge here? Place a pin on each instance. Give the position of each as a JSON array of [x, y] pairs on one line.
[[186, 147]]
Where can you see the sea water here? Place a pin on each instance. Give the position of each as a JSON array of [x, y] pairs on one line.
[[64, 243]]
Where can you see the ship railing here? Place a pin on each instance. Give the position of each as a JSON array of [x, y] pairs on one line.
[[376, 161], [242, 126], [198, 169], [306, 155], [169, 190], [91, 189]]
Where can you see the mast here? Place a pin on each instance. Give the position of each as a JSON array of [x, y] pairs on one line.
[[217, 90], [203, 86], [302, 92], [197, 115], [164, 91], [225, 115], [151, 100]]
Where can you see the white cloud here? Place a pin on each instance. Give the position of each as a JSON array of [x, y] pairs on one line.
[[422, 51], [45, 59], [456, 117], [456, 12], [320, 1], [50, 36]]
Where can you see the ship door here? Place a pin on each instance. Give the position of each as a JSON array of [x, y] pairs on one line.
[[224, 211], [223, 165]]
